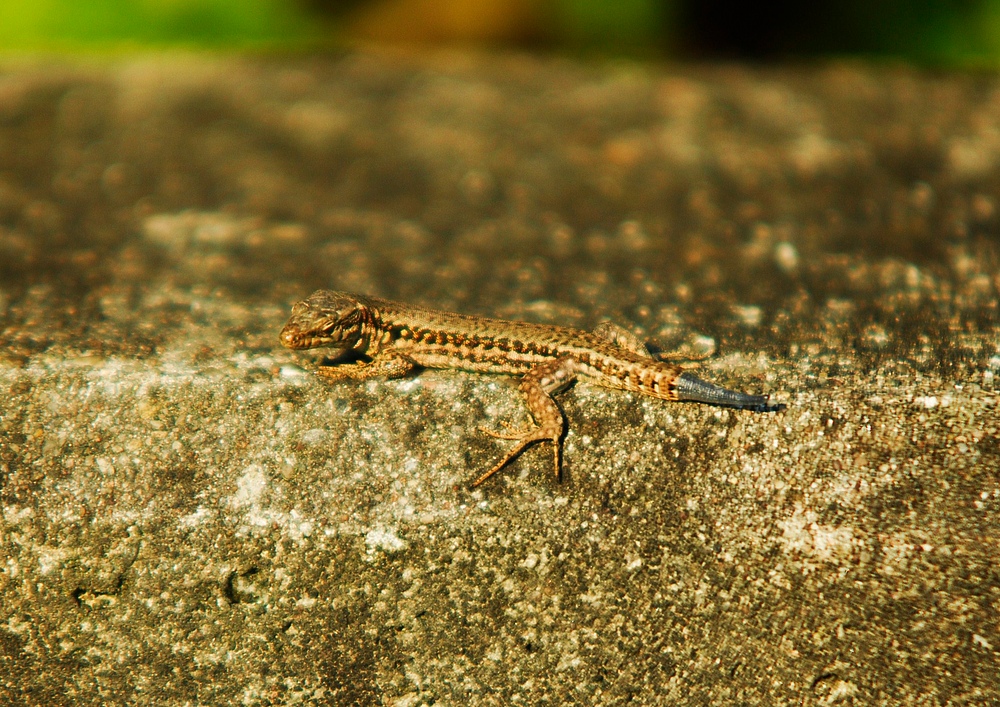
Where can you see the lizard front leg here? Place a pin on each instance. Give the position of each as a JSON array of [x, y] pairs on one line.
[[538, 385], [389, 365]]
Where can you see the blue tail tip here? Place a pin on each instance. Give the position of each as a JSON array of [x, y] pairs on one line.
[[690, 388]]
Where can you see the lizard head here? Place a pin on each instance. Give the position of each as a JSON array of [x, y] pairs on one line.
[[325, 318]]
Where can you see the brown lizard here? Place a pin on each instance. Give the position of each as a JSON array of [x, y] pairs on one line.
[[377, 337]]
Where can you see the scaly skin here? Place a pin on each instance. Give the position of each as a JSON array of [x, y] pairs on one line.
[[398, 338]]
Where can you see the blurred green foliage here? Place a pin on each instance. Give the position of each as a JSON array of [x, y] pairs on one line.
[[933, 32], [48, 24], [936, 32], [624, 26], [955, 32]]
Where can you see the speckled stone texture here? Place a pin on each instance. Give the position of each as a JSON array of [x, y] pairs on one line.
[[188, 515]]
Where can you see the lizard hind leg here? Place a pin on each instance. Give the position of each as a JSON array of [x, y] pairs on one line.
[[537, 385], [622, 337]]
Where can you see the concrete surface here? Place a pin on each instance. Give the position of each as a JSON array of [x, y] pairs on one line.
[[190, 516]]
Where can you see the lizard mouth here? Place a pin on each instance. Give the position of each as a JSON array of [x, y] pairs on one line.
[[293, 337]]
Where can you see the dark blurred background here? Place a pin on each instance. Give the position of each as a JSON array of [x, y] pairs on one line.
[[947, 33]]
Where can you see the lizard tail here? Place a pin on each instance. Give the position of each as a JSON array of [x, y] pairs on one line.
[[693, 389]]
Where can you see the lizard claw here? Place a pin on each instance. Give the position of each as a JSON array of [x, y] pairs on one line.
[[511, 433], [524, 438]]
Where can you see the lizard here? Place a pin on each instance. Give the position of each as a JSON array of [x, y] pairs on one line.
[[373, 337]]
